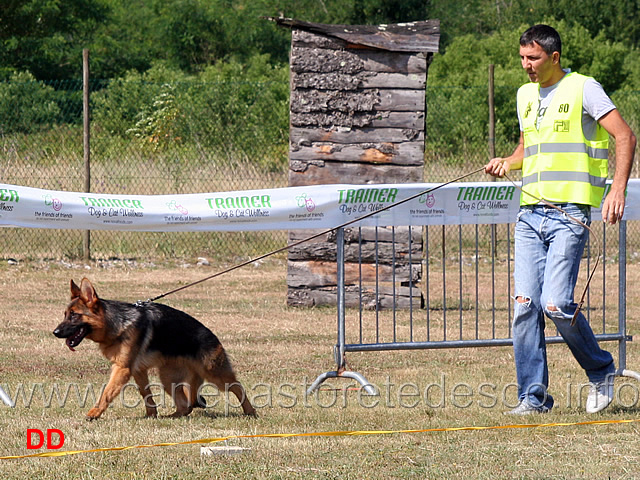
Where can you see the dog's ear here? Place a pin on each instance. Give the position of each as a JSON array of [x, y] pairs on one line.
[[75, 290], [88, 294]]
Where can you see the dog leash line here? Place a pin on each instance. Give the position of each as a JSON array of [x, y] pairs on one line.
[[312, 237]]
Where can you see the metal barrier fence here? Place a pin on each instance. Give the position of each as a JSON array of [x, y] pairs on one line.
[[479, 300]]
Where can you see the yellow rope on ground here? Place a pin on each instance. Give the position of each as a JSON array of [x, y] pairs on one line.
[[324, 434]]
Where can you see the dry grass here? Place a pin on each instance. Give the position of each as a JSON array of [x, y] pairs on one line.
[[277, 351]]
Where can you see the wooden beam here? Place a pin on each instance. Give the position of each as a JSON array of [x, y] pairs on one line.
[[332, 173], [407, 154], [340, 81], [374, 99], [320, 60], [313, 273], [365, 253], [413, 120], [404, 298], [342, 135], [419, 36]]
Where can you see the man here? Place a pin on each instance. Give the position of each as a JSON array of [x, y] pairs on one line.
[[565, 123]]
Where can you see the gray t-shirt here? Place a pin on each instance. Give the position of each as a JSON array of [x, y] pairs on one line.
[[595, 104]]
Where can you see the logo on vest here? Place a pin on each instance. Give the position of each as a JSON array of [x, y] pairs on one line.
[[561, 126]]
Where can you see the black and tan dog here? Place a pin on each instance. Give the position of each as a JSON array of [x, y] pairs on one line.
[[136, 338]]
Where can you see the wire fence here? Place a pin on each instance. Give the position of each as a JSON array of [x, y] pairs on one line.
[[145, 139], [190, 137]]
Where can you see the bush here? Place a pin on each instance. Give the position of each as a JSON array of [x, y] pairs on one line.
[[26, 105], [229, 108], [118, 107]]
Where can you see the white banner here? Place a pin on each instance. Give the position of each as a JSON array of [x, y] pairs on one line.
[[320, 206]]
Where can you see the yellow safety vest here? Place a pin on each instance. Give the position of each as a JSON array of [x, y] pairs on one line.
[[560, 165]]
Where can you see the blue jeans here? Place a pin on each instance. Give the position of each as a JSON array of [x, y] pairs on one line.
[[548, 249]]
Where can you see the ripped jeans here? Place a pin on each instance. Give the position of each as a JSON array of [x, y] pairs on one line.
[[548, 250]]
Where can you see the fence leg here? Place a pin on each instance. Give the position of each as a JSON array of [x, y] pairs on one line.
[[622, 304], [370, 389], [341, 371], [6, 399]]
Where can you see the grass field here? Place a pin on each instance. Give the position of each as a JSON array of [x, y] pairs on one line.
[[277, 352]]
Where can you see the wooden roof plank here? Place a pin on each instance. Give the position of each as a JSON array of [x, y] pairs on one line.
[[421, 36]]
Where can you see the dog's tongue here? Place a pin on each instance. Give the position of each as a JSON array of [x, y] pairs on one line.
[[68, 342], [75, 339]]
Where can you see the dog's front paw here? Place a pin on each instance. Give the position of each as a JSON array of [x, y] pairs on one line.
[[248, 410], [93, 414]]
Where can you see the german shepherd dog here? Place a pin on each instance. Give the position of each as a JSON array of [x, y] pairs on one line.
[[136, 338]]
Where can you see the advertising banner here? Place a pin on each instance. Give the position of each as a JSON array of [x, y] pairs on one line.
[[319, 207]]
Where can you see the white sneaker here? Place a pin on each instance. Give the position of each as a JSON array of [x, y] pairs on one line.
[[600, 395], [525, 408]]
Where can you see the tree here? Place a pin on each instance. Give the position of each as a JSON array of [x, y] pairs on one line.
[[615, 19], [45, 37], [457, 83], [125, 40], [594, 55]]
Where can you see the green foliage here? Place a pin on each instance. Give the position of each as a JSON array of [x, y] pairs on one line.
[[388, 11], [193, 32], [457, 123], [46, 37], [351, 12], [117, 108], [457, 92], [234, 107], [158, 123], [124, 41], [26, 105], [465, 61], [458, 79], [214, 72], [631, 69], [627, 102], [228, 107], [594, 56], [615, 20]]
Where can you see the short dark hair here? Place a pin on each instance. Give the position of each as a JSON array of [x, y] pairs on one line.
[[545, 36]]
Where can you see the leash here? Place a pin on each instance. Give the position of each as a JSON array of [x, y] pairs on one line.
[[141, 303], [579, 222]]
